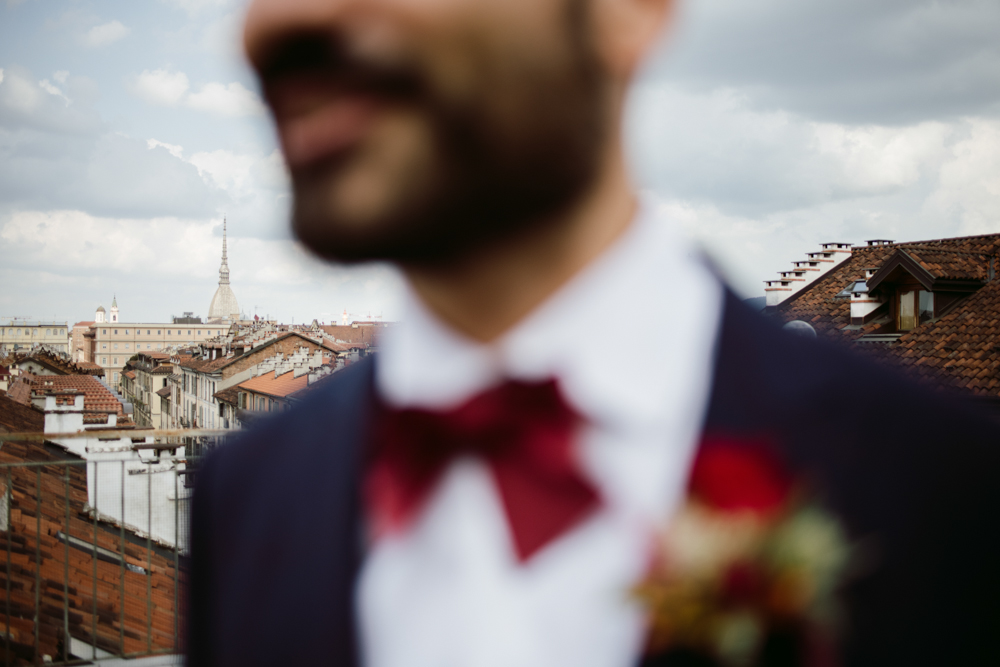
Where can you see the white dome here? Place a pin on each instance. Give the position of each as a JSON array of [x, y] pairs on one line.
[[224, 305]]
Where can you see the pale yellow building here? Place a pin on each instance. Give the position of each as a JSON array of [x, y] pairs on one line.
[[17, 335], [115, 342]]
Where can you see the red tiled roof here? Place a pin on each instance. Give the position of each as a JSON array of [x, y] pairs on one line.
[[229, 395], [66, 572], [91, 367], [947, 263], [302, 393], [19, 418], [57, 363], [20, 390], [279, 387], [202, 365], [960, 348], [365, 335], [96, 397]]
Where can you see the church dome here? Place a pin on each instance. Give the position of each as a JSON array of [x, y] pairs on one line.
[[100, 309], [224, 305]]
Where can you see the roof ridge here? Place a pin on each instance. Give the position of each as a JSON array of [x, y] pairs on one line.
[[949, 250], [952, 238]]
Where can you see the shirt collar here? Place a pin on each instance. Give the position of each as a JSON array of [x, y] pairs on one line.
[[622, 337]]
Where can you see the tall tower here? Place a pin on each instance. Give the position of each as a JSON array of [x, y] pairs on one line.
[[114, 309], [224, 305], [100, 315], [224, 267]]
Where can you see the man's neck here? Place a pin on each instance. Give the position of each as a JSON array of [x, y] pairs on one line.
[[486, 294]]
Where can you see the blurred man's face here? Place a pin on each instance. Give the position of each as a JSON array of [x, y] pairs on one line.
[[419, 130]]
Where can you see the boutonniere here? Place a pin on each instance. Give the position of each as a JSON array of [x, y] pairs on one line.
[[746, 572]]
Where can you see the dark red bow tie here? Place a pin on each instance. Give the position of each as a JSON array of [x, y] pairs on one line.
[[523, 431]]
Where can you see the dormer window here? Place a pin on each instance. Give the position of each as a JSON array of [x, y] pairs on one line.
[[915, 307], [921, 284]]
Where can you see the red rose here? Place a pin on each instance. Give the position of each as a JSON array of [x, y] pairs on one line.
[[730, 475]]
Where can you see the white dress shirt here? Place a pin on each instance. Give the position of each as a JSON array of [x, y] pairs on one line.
[[631, 342]]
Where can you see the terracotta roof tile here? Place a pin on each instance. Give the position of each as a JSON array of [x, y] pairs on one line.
[[19, 418], [229, 395], [96, 395], [959, 349], [67, 572], [279, 387]]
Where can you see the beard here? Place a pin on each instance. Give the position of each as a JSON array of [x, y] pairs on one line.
[[456, 168]]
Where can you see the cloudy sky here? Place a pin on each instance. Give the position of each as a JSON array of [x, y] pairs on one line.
[[128, 129]]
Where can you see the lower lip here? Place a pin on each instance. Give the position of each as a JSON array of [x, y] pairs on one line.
[[325, 133]]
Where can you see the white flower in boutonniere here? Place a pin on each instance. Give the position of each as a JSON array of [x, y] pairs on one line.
[[748, 569]]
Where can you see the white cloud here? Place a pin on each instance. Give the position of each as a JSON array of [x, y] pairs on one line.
[[167, 88], [20, 94], [125, 244], [61, 76], [161, 87], [107, 33], [168, 264], [875, 159], [225, 169], [195, 7], [969, 181], [273, 172], [231, 100], [176, 151], [45, 85]]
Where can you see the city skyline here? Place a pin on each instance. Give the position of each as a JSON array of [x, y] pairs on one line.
[[131, 130]]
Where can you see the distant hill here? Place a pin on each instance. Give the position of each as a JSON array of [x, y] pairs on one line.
[[755, 302]]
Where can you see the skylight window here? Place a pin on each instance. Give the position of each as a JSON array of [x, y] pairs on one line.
[[106, 555]]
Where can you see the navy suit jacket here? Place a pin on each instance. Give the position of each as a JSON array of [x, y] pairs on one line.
[[276, 529]]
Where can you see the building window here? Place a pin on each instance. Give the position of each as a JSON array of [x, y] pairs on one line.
[[104, 332], [116, 332], [116, 363], [147, 332], [104, 346], [926, 306], [18, 332], [189, 332], [168, 332], [104, 361], [116, 377], [148, 346], [116, 346], [126, 332], [907, 310], [48, 332], [126, 346]]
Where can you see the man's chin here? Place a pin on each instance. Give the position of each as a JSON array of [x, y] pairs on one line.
[[352, 242]]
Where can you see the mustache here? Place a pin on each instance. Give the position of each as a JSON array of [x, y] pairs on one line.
[[329, 59]]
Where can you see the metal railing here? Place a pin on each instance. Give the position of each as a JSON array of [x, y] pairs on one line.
[[95, 552]]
